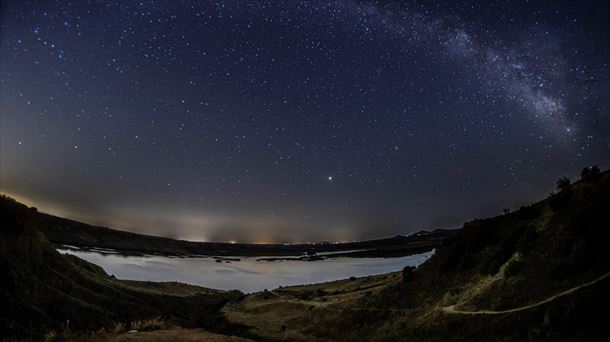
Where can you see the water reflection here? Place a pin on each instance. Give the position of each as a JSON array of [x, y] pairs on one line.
[[247, 274]]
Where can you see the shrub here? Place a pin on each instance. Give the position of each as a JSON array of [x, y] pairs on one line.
[[527, 239], [149, 324], [529, 212], [590, 172], [560, 200], [118, 328], [513, 268], [563, 183], [502, 252], [595, 171], [407, 274]]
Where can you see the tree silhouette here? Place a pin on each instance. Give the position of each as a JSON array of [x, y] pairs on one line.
[[563, 183], [595, 171], [590, 172]]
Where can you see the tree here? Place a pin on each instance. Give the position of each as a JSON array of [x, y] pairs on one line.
[[563, 183], [595, 171], [590, 172], [506, 211]]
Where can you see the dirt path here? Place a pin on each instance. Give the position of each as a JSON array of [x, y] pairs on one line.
[[331, 305], [452, 310]]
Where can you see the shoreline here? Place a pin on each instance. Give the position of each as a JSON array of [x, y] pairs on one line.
[[359, 253]]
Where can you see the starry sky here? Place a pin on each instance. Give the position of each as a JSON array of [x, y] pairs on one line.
[[269, 121]]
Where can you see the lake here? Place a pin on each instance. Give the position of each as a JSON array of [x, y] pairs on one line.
[[247, 275]]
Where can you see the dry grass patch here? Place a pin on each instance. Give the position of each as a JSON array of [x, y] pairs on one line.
[[150, 324]]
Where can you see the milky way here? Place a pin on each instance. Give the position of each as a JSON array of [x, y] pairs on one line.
[[514, 72], [298, 120]]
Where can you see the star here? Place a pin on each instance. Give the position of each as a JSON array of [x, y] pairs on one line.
[[401, 102]]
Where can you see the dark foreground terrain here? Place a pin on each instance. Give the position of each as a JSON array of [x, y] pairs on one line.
[[43, 291], [539, 273]]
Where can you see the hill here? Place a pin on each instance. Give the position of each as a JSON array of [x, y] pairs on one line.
[[539, 273], [42, 290], [68, 232]]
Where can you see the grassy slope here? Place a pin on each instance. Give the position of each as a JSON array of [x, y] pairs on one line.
[[499, 263], [309, 312], [174, 334], [42, 290]]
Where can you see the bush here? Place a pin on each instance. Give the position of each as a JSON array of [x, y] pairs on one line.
[[407, 274], [502, 252], [563, 183], [590, 172], [560, 200], [527, 239], [513, 268], [529, 212], [149, 324]]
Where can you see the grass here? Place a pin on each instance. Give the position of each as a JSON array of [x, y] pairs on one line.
[[170, 334], [45, 291], [149, 324], [290, 313], [493, 264]]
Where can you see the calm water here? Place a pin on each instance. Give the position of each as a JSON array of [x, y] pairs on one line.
[[248, 274]]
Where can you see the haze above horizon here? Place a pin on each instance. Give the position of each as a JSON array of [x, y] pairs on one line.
[[301, 120]]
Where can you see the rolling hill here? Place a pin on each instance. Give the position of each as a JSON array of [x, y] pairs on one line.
[[42, 290], [539, 273], [68, 232]]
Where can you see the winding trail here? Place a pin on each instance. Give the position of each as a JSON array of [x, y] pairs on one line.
[[445, 309], [452, 308]]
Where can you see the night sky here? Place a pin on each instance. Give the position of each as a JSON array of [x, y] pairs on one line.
[[298, 120]]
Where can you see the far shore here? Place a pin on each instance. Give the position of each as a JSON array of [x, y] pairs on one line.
[[310, 256]]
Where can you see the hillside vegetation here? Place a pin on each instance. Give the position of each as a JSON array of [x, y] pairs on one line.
[[43, 291], [539, 273]]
